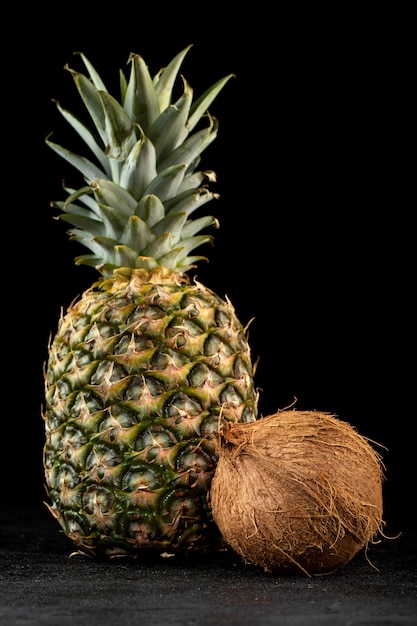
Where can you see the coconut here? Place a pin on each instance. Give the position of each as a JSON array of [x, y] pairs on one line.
[[297, 491]]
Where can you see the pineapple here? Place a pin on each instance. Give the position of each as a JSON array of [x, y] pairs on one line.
[[146, 363]]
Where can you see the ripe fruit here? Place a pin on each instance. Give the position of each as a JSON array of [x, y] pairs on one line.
[[297, 491], [147, 363]]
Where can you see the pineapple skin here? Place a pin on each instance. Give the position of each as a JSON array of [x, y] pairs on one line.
[[144, 367]]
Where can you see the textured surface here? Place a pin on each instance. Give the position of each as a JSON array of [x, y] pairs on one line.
[[139, 373], [297, 491], [41, 584]]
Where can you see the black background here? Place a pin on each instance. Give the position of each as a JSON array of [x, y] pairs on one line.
[[316, 205]]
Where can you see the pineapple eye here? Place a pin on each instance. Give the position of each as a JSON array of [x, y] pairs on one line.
[[97, 500], [102, 454], [64, 477], [222, 318], [143, 313], [107, 372], [73, 437], [84, 405], [121, 417], [198, 375], [154, 439], [195, 467], [99, 332], [180, 341], [63, 388], [212, 345], [82, 358], [154, 387], [195, 460], [141, 477], [181, 405], [230, 396]]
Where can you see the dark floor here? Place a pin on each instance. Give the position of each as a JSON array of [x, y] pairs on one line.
[[41, 584]]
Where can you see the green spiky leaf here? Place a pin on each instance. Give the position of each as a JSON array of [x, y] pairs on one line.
[[141, 184]]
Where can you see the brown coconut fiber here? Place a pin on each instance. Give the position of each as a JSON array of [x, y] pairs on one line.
[[297, 491]]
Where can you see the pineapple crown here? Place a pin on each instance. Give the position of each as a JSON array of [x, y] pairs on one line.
[[143, 185]]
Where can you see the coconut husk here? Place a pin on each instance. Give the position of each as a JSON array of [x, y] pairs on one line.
[[297, 491]]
